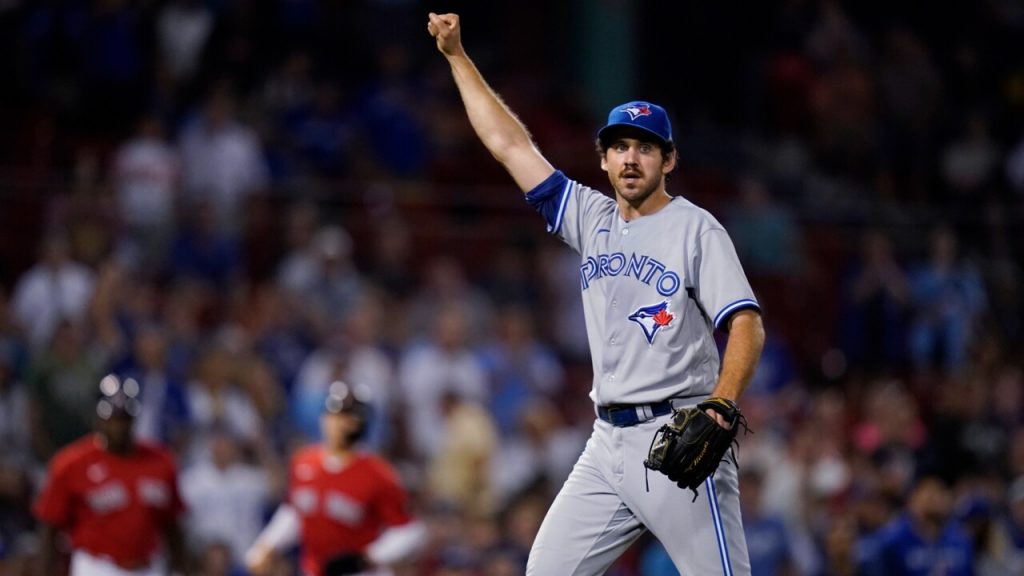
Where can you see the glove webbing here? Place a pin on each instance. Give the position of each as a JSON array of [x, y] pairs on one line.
[[723, 407]]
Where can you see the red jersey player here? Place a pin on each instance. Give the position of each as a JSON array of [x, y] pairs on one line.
[[345, 508], [116, 498]]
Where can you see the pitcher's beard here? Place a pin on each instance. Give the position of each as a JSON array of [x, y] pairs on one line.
[[636, 195]]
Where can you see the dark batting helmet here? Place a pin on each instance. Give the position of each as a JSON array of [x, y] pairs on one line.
[[118, 397], [345, 399]]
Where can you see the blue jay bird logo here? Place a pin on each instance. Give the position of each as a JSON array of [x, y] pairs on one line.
[[652, 319], [637, 111]]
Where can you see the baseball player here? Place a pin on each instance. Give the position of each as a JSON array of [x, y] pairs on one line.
[[345, 508], [116, 497], [658, 275]]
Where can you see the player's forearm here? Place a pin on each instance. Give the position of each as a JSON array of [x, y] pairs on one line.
[[494, 123], [282, 531], [742, 351], [397, 544]]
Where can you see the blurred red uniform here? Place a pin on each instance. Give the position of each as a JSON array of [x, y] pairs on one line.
[[343, 507], [117, 499], [346, 508]]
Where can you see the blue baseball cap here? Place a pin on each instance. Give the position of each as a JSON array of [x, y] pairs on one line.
[[650, 118]]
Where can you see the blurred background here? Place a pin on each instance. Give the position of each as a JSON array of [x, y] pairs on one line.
[[240, 201]]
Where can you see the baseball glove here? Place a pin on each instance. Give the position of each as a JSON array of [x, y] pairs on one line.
[[689, 448]]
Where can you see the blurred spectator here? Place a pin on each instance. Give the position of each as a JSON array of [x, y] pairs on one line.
[[777, 368], [391, 266], [912, 95], [842, 100], [222, 162], [876, 303], [227, 496], [183, 28], [967, 434], [203, 251], [298, 265], [322, 277], [428, 370], [322, 132], [839, 548], [1007, 396], [215, 401], [286, 90], [445, 285], [16, 522], [975, 513], [55, 289], [520, 367], [389, 120], [890, 432], [559, 269], [256, 377], [521, 521], [540, 451], [15, 432], [1003, 270], [63, 391], [182, 309], [459, 472], [147, 177], [766, 235], [769, 544], [85, 212], [509, 278], [13, 345], [278, 334], [948, 301], [164, 416], [833, 35], [925, 539], [1004, 553], [289, 87], [969, 164]]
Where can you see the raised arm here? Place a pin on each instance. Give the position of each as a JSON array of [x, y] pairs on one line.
[[497, 127]]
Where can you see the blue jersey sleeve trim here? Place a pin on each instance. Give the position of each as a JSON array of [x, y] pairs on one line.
[[735, 307], [550, 198]]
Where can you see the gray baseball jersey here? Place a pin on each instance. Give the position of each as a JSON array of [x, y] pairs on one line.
[[653, 288]]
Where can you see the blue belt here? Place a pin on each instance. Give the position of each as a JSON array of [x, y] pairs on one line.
[[632, 414]]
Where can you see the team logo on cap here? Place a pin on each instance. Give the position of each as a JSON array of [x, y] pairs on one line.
[[652, 319], [637, 111]]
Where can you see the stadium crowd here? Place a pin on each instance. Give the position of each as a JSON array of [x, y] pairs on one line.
[[238, 203]]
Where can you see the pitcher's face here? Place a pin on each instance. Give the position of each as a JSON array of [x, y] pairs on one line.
[[636, 168]]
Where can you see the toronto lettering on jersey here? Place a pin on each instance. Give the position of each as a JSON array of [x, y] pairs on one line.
[[643, 268]]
